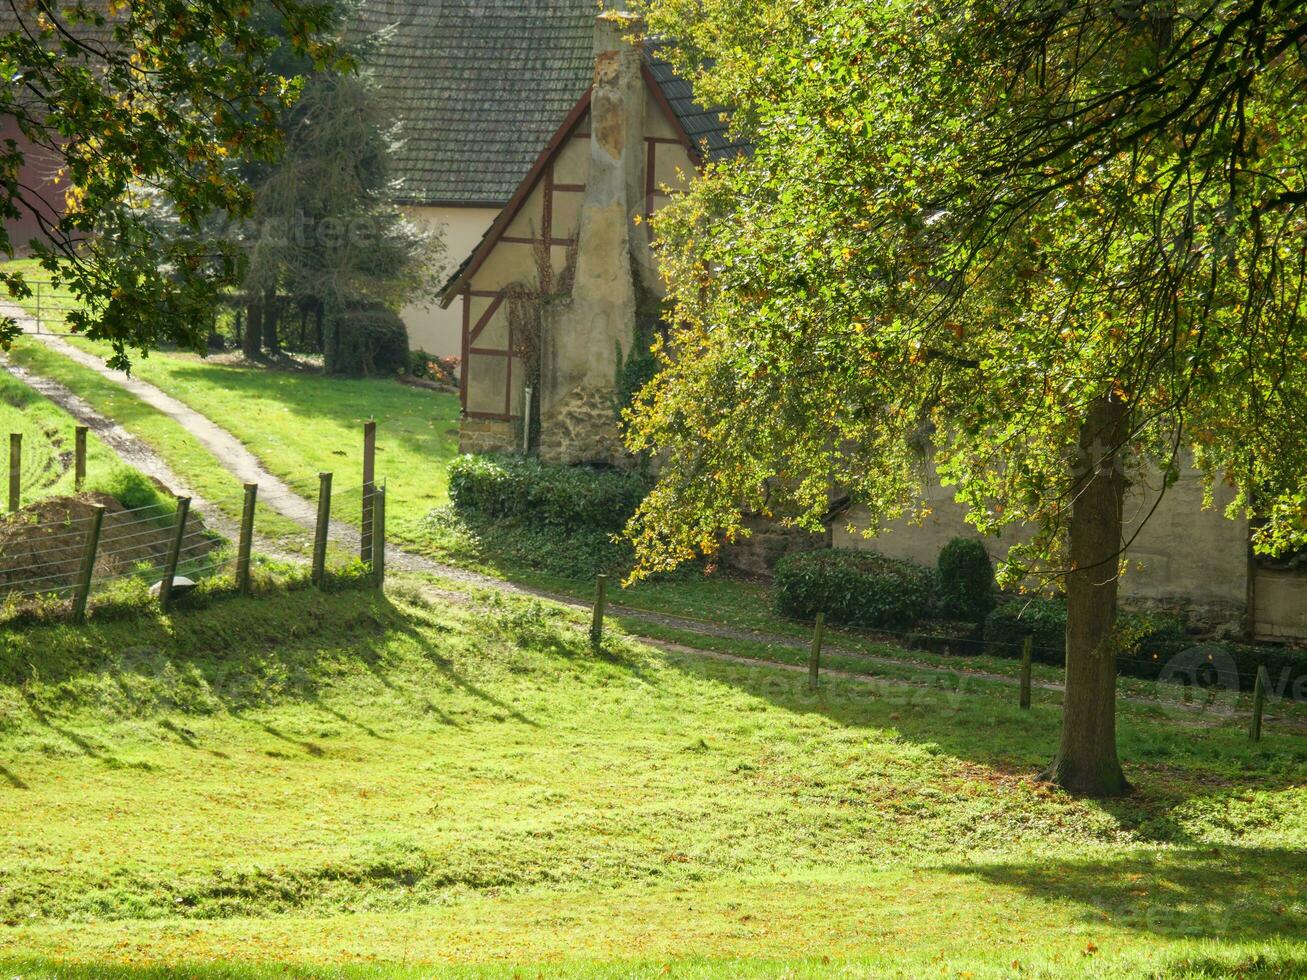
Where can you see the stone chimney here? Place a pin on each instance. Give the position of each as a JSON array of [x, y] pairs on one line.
[[582, 337]]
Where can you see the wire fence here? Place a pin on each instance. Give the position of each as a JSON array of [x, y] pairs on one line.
[[82, 547]]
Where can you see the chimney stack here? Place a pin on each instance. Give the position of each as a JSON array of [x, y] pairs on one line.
[[579, 369]]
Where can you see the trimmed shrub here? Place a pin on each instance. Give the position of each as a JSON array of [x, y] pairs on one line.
[[1145, 639], [1009, 623], [856, 588], [568, 497], [1147, 644], [1288, 668], [366, 338], [966, 580]]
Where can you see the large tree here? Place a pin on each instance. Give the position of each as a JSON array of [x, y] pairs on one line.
[[327, 230], [324, 227], [1045, 247], [152, 97]]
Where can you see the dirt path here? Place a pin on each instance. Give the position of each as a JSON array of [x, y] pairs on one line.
[[278, 495], [237, 460], [130, 449]]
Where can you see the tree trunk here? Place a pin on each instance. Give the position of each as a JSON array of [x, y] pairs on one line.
[[271, 311], [252, 339], [318, 312], [1086, 762]]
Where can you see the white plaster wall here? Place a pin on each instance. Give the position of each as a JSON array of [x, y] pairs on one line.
[[430, 328]]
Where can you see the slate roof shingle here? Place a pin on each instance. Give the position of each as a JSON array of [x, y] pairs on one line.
[[479, 87]]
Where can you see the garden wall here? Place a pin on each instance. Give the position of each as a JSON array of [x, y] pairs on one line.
[[1185, 558]]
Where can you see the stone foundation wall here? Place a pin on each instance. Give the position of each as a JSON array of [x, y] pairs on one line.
[[582, 428], [488, 436], [1222, 620], [768, 543]]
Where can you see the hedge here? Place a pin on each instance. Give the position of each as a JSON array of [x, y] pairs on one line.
[[855, 588], [1148, 643], [966, 580], [567, 497]]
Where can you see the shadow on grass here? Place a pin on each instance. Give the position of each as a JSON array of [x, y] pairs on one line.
[[234, 656], [1172, 763], [1226, 893]]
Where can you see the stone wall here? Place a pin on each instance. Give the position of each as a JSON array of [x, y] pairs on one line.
[[767, 543], [581, 427], [488, 436], [1182, 558], [582, 337], [1280, 604]]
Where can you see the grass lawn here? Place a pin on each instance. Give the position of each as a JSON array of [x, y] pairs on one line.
[[268, 410], [48, 441], [189, 459], [300, 424], [352, 785]]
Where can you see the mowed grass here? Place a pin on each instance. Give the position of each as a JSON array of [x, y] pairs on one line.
[[359, 785], [48, 446], [186, 456], [256, 398], [301, 423]]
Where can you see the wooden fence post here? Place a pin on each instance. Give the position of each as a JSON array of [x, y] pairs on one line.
[[15, 469], [814, 657], [369, 489], [88, 564], [1027, 654], [1259, 703], [174, 553], [379, 536], [320, 530], [597, 620], [246, 544], [79, 458]]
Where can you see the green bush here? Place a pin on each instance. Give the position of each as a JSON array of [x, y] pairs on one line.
[[857, 588], [1147, 642], [366, 338], [1144, 640], [134, 490], [568, 497], [1288, 668], [1009, 623], [966, 580]]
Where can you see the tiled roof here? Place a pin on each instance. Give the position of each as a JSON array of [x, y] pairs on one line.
[[705, 127], [479, 86]]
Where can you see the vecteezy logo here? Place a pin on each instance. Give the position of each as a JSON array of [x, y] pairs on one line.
[[1209, 678]]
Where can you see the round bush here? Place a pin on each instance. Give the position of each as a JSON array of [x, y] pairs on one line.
[[966, 580], [367, 339], [857, 588]]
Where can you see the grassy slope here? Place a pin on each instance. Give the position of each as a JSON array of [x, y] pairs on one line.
[[48, 441], [301, 424], [313, 779], [273, 413], [183, 452]]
